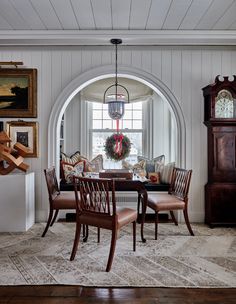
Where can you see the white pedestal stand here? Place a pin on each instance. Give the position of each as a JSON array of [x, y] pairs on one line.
[[17, 202]]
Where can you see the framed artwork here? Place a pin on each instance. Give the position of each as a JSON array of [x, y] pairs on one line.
[[18, 92], [26, 133]]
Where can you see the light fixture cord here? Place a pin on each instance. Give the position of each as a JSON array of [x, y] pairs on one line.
[[116, 81]]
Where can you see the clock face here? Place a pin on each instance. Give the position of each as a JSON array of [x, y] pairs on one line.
[[224, 106]]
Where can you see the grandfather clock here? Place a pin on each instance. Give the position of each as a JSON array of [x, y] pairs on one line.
[[220, 119]]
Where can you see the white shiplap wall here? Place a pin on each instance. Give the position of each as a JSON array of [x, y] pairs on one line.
[[184, 70]]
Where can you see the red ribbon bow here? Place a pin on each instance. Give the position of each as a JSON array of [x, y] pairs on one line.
[[118, 138]]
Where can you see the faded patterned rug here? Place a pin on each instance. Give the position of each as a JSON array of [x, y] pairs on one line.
[[176, 259]]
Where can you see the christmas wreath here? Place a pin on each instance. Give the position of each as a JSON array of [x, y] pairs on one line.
[[117, 146]]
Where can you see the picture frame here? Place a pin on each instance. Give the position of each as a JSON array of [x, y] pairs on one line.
[[18, 93], [26, 133]]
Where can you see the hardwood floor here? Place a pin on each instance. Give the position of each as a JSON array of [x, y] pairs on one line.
[[75, 294]]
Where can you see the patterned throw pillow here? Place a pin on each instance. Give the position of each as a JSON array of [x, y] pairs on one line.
[[70, 170], [74, 158], [154, 177], [94, 165], [138, 168], [154, 164], [166, 173]]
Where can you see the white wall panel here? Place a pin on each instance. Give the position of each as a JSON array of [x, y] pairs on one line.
[[183, 70], [196, 121]]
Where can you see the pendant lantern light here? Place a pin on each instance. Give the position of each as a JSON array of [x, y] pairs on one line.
[[116, 95]]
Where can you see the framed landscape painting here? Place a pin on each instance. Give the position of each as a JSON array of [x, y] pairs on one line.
[[26, 133], [18, 92]]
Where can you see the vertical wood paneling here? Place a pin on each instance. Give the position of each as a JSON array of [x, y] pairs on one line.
[[186, 104], [197, 191], [136, 59], [206, 79], [36, 165], [76, 63], [157, 63], [176, 74], [86, 60], [126, 56], [56, 75], [166, 68], [216, 63], [183, 70], [46, 97], [166, 78], [147, 61], [106, 57], [233, 63], [66, 68], [226, 63]]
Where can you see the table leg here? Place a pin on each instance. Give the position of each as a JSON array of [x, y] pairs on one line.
[[143, 198]]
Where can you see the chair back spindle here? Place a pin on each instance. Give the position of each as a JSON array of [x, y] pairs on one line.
[[180, 182], [52, 184], [96, 195]]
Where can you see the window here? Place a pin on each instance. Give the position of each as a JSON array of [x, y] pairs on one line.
[[103, 126]]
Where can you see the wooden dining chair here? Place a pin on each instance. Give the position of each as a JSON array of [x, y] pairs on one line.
[[97, 207], [57, 200], [175, 199]]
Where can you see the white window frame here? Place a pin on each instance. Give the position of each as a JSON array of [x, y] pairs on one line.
[[125, 131]]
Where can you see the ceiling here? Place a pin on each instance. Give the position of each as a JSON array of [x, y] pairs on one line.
[[131, 19]]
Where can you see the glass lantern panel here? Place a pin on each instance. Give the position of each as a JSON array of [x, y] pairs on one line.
[[116, 110]]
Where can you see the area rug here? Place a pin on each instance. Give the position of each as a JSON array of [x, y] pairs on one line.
[[176, 259]]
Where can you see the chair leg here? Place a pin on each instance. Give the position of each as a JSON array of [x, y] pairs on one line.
[[173, 218], [76, 241], [112, 249], [134, 236], [98, 229], [85, 233], [156, 224], [48, 222], [54, 218], [187, 221], [138, 204]]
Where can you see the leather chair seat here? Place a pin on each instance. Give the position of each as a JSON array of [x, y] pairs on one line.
[[65, 200], [164, 201], [124, 216]]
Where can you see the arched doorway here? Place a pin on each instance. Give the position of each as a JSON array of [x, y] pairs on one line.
[[95, 74]]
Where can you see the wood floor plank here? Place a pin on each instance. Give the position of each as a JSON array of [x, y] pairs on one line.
[[51, 294]]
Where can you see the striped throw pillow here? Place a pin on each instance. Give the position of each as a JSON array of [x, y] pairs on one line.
[[166, 173], [74, 158]]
